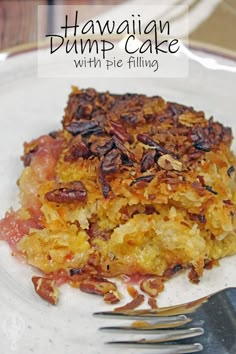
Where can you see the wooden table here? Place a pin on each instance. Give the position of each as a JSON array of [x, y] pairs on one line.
[[18, 22]]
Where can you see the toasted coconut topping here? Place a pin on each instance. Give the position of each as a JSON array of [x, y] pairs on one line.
[[113, 128]]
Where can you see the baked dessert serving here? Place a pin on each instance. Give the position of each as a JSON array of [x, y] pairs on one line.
[[131, 187]]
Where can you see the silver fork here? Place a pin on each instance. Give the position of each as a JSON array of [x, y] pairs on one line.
[[212, 317]]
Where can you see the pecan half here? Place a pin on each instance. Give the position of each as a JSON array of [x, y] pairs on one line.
[[77, 148], [103, 182], [205, 138], [112, 297], [46, 289], [117, 129], [145, 139], [127, 157], [84, 128], [102, 150], [152, 286], [148, 160], [111, 162], [99, 286], [68, 193]]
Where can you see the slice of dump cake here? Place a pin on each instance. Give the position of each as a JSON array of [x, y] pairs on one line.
[[130, 186]]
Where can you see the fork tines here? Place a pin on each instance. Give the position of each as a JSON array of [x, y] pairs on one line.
[[164, 348]]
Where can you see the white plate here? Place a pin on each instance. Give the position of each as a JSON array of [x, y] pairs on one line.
[[30, 106]]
